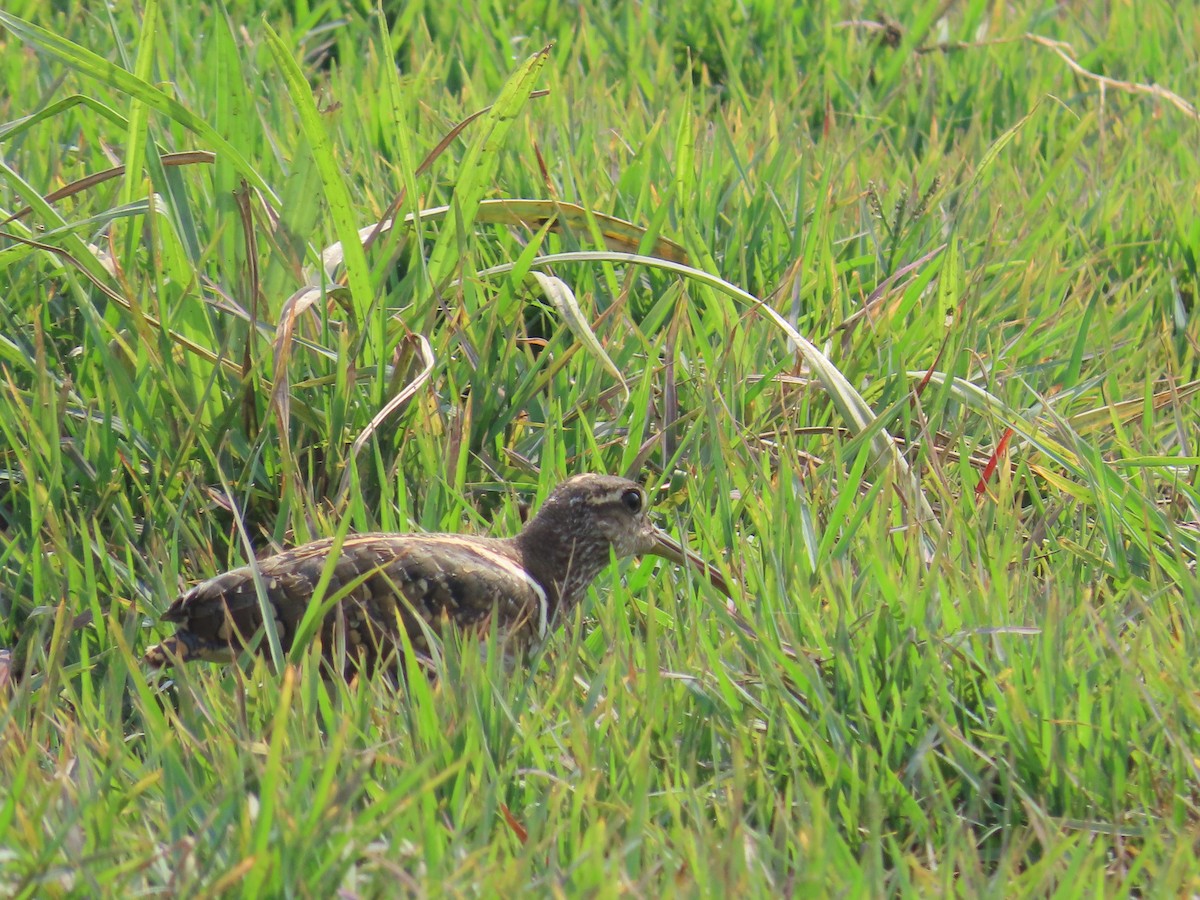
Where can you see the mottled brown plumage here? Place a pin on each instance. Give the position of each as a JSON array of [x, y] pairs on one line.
[[422, 582]]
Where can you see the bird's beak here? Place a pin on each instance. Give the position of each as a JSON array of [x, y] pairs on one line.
[[662, 544]]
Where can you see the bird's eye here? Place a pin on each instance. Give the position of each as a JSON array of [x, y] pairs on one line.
[[634, 500]]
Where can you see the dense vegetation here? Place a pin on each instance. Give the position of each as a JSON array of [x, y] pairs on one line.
[[892, 309]]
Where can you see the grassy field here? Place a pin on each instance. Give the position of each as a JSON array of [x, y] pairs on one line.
[[892, 308]]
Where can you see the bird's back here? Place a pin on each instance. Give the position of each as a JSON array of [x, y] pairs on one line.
[[380, 583]]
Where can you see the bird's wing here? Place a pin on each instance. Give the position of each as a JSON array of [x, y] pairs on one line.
[[379, 582]]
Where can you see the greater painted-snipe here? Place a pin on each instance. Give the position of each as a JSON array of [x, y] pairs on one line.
[[420, 583]]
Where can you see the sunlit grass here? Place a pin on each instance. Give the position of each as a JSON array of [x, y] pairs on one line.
[[926, 680]]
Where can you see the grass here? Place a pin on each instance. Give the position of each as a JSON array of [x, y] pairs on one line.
[[895, 318]]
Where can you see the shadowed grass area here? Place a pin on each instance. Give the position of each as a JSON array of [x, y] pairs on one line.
[[893, 313]]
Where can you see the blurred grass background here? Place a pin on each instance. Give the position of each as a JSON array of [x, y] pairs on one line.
[[892, 308]]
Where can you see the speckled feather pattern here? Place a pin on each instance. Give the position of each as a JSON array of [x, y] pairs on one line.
[[382, 583]]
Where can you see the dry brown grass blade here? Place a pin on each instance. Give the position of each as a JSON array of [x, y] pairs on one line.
[[884, 287], [369, 235], [617, 234], [1128, 87], [425, 351], [893, 34], [1127, 410], [203, 352], [293, 308], [253, 288], [670, 427], [559, 293], [186, 158]]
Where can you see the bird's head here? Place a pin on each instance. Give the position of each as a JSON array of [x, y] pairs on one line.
[[584, 522]]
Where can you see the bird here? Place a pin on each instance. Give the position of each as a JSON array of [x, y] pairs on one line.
[[422, 584]]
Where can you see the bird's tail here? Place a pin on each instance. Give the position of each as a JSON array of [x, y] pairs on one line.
[[184, 647]]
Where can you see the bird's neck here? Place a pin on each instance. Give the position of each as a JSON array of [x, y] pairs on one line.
[[563, 564]]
